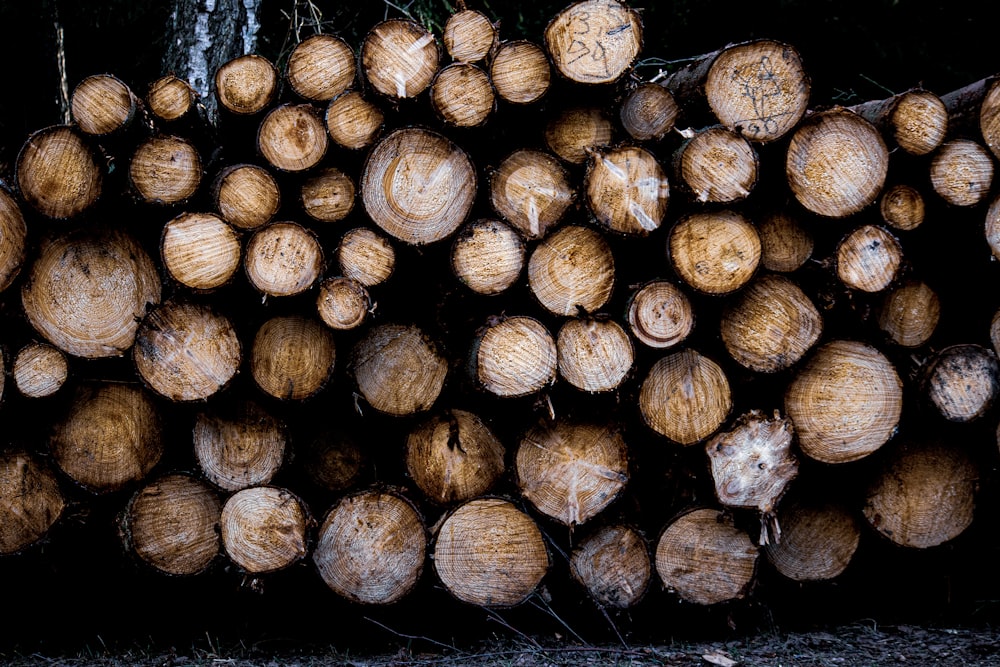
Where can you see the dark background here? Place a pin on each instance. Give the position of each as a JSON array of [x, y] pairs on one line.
[[80, 588]]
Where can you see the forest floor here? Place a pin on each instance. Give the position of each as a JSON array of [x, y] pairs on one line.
[[855, 645]]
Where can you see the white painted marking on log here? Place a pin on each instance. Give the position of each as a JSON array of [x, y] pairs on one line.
[[400, 84], [420, 43], [642, 217], [613, 168], [533, 216]]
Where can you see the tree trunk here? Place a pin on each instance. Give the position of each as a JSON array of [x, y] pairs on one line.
[[264, 529], [239, 445], [292, 357]]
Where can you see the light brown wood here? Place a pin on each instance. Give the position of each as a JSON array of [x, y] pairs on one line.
[[39, 370], [915, 120], [170, 98], [520, 72], [320, 67], [328, 196], [102, 104], [531, 191], [283, 259], [343, 303], [845, 402], [462, 95], [714, 252], [785, 244], [371, 547], [246, 195], [627, 189], [31, 501], [910, 313], [88, 320], [399, 58], [685, 397], [246, 85], [172, 525], [13, 238], [239, 445], [165, 170], [962, 381], [868, 259], [961, 172], [366, 256], [594, 41], [818, 541], [418, 186], [660, 314], [200, 250], [992, 226], [489, 553], [573, 131], [572, 271], [352, 121], [716, 165], [187, 351], [453, 457], [648, 112], [293, 137], [902, 207], [487, 256], [264, 529], [595, 354], [109, 437], [399, 369], [58, 173], [469, 36], [613, 564], [292, 357], [704, 559], [514, 356], [571, 471]]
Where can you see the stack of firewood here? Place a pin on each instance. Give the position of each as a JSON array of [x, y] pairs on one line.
[[452, 306]]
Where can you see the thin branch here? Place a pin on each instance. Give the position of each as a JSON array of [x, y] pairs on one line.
[[492, 615], [403, 635]]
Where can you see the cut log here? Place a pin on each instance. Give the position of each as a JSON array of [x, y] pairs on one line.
[[39, 370], [845, 402], [264, 529], [239, 445], [462, 95], [246, 195], [110, 436], [976, 108], [399, 58], [102, 104], [514, 356], [170, 98], [520, 72], [704, 559], [648, 112], [283, 259], [366, 256], [660, 314], [627, 189], [320, 67], [770, 325], [915, 120], [910, 314], [66, 298], [343, 303], [246, 85], [923, 495], [962, 381], [333, 459], [200, 250], [186, 351], [13, 238], [453, 457], [398, 369], [757, 88], [172, 525], [31, 501], [818, 541], [868, 259], [962, 172], [58, 173], [573, 131], [716, 165], [785, 244], [571, 472], [836, 163], [595, 354], [613, 564], [685, 397], [714, 252], [352, 121], [572, 271], [487, 256], [418, 186], [371, 547], [531, 191], [902, 207], [165, 170], [469, 36], [293, 137], [328, 196], [992, 227], [489, 553], [292, 357], [594, 41]]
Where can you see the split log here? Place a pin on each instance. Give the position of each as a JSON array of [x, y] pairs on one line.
[[915, 120], [704, 559], [246, 85], [165, 170], [595, 354], [469, 36], [962, 381], [31, 501], [462, 95], [818, 540], [186, 351], [660, 315], [910, 314], [110, 436], [371, 547], [239, 445], [399, 58], [170, 98], [572, 271], [785, 244], [264, 529], [328, 196], [86, 319], [716, 165], [283, 259], [902, 207], [520, 72], [200, 250], [648, 112], [366, 256], [454, 457], [58, 173], [514, 356], [320, 67], [845, 402], [172, 525], [531, 191], [292, 357], [343, 303], [714, 252], [39, 370], [962, 172], [102, 104], [489, 553], [293, 137], [352, 121], [573, 131], [487, 256], [594, 41], [13, 238], [571, 472], [627, 189], [398, 369], [685, 397], [613, 564], [246, 196]]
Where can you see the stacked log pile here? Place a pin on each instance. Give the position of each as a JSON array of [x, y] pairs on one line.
[[480, 312]]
